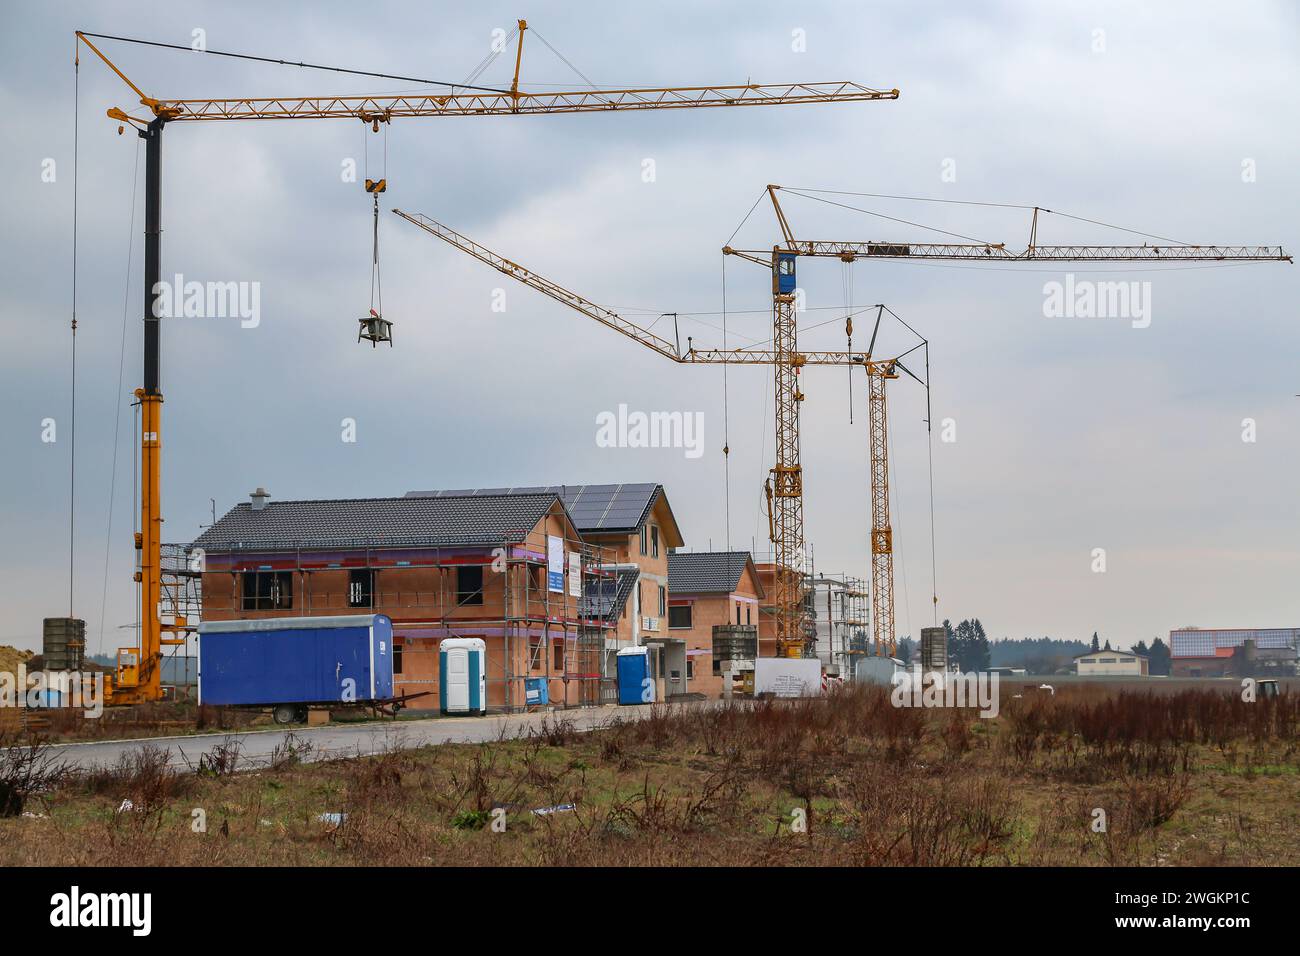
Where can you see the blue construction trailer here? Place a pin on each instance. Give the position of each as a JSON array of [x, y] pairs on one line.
[[292, 663]]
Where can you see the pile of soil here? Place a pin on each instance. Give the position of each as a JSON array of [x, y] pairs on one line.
[[11, 657]]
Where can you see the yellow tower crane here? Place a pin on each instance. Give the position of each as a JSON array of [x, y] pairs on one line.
[[785, 514], [138, 676], [788, 473]]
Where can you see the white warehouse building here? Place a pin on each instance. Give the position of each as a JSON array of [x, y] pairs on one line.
[[1110, 664]]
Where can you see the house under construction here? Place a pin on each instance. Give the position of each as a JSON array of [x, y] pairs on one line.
[[553, 598], [838, 607]]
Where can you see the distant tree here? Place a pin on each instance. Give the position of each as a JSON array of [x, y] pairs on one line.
[[968, 647], [979, 650], [905, 648], [959, 646], [1159, 663], [1140, 648], [1037, 655], [1107, 647], [1096, 644], [950, 636]]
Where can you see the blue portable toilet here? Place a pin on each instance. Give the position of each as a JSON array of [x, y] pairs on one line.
[[462, 676], [635, 684], [536, 691], [783, 273]]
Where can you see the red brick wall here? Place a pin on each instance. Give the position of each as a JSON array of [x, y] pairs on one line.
[[708, 610]]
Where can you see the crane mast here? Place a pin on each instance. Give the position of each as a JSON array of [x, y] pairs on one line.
[[786, 499], [882, 534], [138, 676]]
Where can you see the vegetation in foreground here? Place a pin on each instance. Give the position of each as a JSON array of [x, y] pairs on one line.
[[1192, 778]]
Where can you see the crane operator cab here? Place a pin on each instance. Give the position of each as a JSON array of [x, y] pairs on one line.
[[783, 273]]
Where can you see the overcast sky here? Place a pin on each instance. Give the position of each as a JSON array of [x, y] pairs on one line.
[[1072, 434]]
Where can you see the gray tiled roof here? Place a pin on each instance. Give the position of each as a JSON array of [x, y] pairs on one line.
[[699, 572], [597, 509], [379, 522]]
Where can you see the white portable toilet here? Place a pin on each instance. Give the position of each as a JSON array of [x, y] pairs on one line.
[[462, 676]]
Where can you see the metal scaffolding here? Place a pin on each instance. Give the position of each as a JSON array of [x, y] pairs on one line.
[[839, 612]]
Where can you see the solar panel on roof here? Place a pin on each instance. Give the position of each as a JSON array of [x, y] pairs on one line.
[[591, 506]]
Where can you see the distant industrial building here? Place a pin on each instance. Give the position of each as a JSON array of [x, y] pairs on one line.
[[1210, 652], [1111, 664]]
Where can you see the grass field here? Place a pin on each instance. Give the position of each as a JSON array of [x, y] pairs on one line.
[[1196, 777]]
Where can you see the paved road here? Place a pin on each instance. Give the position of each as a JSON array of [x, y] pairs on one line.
[[350, 740]]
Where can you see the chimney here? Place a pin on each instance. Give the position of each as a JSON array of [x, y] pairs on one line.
[[259, 498]]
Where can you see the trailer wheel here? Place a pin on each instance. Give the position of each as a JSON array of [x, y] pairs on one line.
[[288, 714]]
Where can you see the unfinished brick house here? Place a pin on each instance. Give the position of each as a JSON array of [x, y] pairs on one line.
[[705, 590], [767, 572], [446, 565], [633, 528]]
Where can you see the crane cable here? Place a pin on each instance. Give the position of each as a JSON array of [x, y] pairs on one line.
[[747, 215], [305, 66], [117, 417], [726, 415], [563, 59], [929, 441], [764, 497], [376, 279], [491, 57], [72, 479], [846, 279], [803, 191]]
